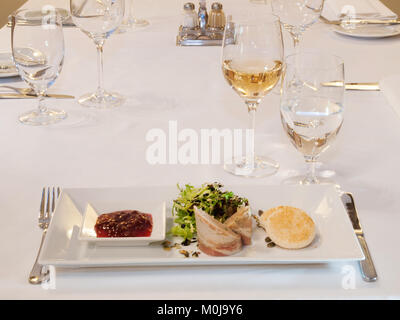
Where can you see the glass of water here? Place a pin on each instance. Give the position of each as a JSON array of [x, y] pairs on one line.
[[37, 44], [312, 106]]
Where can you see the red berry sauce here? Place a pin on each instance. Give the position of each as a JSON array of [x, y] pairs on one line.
[[126, 223]]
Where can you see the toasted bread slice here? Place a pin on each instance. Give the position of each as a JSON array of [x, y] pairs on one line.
[[266, 214], [289, 227]]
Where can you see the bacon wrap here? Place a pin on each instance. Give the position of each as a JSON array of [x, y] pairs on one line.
[[241, 223], [215, 238]]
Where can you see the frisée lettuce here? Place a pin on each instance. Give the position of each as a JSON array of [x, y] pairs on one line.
[[210, 198]]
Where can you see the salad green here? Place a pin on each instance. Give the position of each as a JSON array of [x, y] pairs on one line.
[[210, 198]]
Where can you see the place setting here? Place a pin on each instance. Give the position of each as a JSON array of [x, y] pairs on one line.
[[31, 33], [245, 209], [296, 223], [361, 19]]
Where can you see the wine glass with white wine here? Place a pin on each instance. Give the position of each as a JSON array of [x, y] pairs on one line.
[[312, 107], [252, 63], [98, 19]]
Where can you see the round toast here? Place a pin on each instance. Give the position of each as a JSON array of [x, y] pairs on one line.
[[288, 227]]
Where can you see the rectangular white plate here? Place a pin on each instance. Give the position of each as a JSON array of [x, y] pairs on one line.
[[335, 240]]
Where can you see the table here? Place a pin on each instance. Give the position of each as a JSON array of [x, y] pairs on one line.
[[162, 82]]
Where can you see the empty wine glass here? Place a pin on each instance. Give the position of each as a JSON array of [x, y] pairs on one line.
[[297, 15], [312, 106], [129, 22], [252, 56], [37, 44], [98, 19]]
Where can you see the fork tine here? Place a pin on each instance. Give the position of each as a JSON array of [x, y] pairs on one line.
[[42, 202], [53, 202], [58, 191], [48, 203]]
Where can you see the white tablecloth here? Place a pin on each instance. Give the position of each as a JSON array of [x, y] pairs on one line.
[[164, 82]]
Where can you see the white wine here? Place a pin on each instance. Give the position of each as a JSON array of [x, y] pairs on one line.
[[252, 79], [311, 123]]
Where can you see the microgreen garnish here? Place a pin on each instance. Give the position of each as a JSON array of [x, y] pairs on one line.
[[210, 198]]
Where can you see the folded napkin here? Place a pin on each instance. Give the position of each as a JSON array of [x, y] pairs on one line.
[[355, 8], [390, 87]]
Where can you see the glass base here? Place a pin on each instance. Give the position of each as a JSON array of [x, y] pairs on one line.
[[123, 28], [140, 23], [263, 167], [107, 100], [304, 180], [259, 1], [132, 25], [37, 118]]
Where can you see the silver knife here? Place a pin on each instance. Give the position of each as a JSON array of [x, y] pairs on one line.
[[33, 96], [359, 21], [367, 267], [360, 86]]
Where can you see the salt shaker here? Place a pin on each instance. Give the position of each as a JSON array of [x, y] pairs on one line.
[[190, 20], [216, 19]]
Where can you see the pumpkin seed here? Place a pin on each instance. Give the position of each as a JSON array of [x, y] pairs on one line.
[[185, 253]]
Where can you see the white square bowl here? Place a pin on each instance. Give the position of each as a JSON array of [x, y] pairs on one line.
[[88, 233]]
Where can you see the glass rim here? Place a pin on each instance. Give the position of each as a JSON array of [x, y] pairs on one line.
[[17, 15], [339, 60], [254, 21]]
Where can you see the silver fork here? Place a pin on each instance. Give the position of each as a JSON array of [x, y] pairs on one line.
[[40, 273]]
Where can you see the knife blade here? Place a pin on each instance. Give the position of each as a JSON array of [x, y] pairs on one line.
[[355, 21], [359, 86], [367, 267], [32, 96], [371, 86]]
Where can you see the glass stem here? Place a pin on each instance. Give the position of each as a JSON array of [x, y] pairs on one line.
[[41, 106], [128, 9], [311, 177], [252, 108], [296, 40], [100, 86], [128, 17]]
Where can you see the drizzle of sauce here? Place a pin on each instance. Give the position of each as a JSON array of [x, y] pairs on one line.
[[125, 223]]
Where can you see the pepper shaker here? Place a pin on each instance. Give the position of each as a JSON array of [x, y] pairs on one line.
[[216, 19]]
